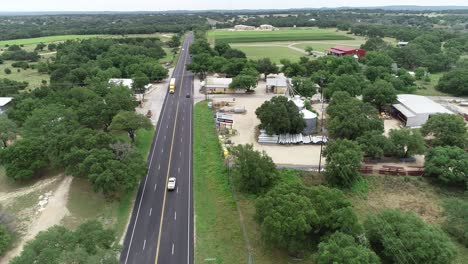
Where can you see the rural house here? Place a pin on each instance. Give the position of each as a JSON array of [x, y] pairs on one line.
[[343, 51], [4, 101], [277, 84]]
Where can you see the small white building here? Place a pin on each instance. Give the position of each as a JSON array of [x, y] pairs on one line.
[[243, 27], [402, 43], [277, 84], [4, 101], [217, 85], [415, 110], [124, 82], [267, 27]]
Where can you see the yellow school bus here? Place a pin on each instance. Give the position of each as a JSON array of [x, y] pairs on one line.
[[172, 86]]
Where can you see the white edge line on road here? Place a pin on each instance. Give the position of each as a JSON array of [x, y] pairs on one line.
[[177, 190], [190, 175], [155, 185], [144, 244], [175, 215], [172, 248], [151, 210], [146, 179]]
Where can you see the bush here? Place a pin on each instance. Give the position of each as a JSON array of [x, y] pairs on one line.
[[400, 237], [342, 248], [7, 71], [456, 219], [448, 164], [5, 239]]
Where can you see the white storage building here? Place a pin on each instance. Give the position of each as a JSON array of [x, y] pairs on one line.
[[4, 101], [415, 110]]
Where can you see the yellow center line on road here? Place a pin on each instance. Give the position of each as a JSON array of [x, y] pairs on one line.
[[170, 159]]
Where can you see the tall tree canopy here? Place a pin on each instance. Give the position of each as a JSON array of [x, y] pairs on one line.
[[447, 130], [256, 170], [344, 159], [280, 115], [448, 164], [400, 237]]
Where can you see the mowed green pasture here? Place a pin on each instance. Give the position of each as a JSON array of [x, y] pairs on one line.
[[275, 53], [299, 34], [51, 39]]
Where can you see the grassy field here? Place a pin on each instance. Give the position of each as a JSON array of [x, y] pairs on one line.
[[272, 52], [429, 88], [298, 34], [218, 233], [31, 76], [408, 194], [50, 39]]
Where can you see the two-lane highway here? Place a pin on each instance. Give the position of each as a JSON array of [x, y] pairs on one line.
[[161, 226]]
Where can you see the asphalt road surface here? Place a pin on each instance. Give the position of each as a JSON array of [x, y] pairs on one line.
[[161, 225]]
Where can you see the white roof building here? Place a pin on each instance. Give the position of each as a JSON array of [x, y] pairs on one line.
[[415, 110], [124, 82], [3, 103]]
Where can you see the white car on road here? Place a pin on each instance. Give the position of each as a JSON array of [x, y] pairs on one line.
[[171, 184]]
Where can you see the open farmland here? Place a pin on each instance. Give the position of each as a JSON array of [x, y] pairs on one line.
[[275, 53], [50, 39], [299, 34]]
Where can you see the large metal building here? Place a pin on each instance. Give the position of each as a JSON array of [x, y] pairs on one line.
[[414, 110]]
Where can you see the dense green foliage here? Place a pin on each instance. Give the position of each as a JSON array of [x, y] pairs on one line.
[[454, 82], [400, 237], [255, 170], [8, 130], [448, 164], [456, 219], [317, 211], [375, 145], [447, 130], [130, 122], [10, 87], [406, 142], [6, 239], [381, 93], [341, 248], [17, 27], [280, 116], [343, 162], [90, 243], [351, 118], [95, 61], [68, 128], [304, 87]]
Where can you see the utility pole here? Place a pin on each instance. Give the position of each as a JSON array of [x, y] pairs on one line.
[[321, 123]]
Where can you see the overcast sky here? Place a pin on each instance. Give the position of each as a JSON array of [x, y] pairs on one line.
[[161, 5]]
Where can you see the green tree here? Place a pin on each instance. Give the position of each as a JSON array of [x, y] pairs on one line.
[[140, 80], [274, 211], [341, 248], [304, 87], [456, 219], [454, 82], [351, 118], [420, 72], [58, 245], [400, 237], [317, 211], [447, 130], [279, 116], [375, 145], [352, 84], [40, 47], [243, 81], [448, 164], [24, 159], [266, 67], [309, 50], [375, 44], [6, 239], [406, 142], [379, 94], [344, 159], [376, 59], [174, 41], [52, 47], [7, 71], [8, 130], [256, 171], [130, 122]]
